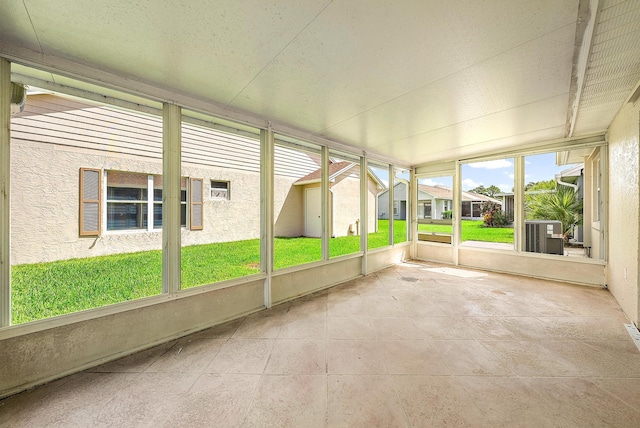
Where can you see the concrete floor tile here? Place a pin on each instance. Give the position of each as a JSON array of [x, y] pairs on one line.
[[580, 402], [138, 362], [625, 390], [363, 401], [76, 404], [347, 306], [188, 356], [390, 328], [214, 400], [259, 326], [434, 401], [242, 356], [582, 359], [419, 307], [385, 306], [351, 327], [314, 304], [478, 308], [507, 402], [527, 358], [623, 358], [446, 328], [222, 331], [414, 357], [147, 402], [491, 328], [356, 357], [289, 401], [304, 325], [470, 357], [297, 356], [588, 328]]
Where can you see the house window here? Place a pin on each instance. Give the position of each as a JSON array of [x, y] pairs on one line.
[[134, 201], [395, 208], [427, 209], [220, 190]]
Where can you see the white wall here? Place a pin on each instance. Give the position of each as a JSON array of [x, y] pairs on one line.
[[346, 203], [624, 187]]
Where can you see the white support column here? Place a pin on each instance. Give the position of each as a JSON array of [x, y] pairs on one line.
[[171, 246], [364, 211], [518, 204], [391, 203], [326, 215], [604, 214], [5, 206], [456, 211], [413, 209], [266, 210]]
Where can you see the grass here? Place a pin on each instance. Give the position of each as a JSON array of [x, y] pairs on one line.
[[43, 290], [473, 230]]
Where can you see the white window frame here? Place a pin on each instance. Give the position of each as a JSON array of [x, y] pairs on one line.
[[150, 203], [226, 192]]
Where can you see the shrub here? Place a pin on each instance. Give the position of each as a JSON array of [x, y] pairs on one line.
[[492, 215], [446, 215]]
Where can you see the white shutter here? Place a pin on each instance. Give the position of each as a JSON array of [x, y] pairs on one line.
[[196, 214], [90, 203]]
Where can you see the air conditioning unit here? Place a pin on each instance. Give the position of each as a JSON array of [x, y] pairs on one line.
[[544, 236]]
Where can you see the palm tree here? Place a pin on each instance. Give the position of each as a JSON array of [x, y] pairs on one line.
[[561, 204]]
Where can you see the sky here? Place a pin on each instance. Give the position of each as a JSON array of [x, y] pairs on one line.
[[497, 172], [500, 172]]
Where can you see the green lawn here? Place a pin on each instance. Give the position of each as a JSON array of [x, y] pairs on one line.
[[473, 230], [43, 290]]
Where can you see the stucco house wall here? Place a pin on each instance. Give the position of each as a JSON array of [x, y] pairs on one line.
[[288, 208], [624, 187], [346, 203], [45, 198], [55, 137]]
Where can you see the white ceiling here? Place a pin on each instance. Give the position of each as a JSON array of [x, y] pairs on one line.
[[411, 81]]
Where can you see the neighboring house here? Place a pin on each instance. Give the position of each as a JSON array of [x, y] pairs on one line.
[[472, 203], [400, 196], [508, 204], [432, 202], [87, 179], [344, 200]]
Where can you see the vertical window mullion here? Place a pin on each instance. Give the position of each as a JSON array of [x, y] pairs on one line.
[[150, 204], [5, 247]]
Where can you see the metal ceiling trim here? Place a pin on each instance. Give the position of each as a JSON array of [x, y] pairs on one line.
[[587, 15]]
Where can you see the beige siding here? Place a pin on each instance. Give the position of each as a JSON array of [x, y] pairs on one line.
[[68, 122]]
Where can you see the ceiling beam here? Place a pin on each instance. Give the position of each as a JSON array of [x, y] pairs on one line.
[[587, 13]]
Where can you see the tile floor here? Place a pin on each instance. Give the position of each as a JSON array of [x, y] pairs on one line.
[[417, 345]]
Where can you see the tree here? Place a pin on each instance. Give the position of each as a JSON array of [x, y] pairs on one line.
[[487, 191], [540, 185], [561, 203]]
